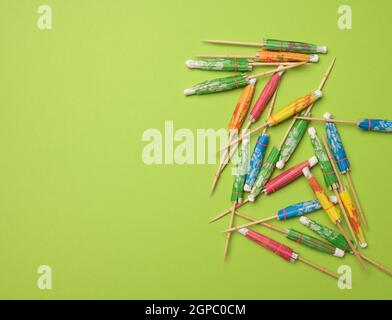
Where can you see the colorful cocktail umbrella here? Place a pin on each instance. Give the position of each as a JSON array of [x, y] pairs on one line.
[[235, 125], [330, 178], [277, 45], [265, 173], [281, 250], [238, 186], [294, 136], [256, 161], [364, 124], [231, 82], [329, 208], [267, 56], [230, 64], [339, 153], [265, 96], [290, 212], [258, 153], [347, 202], [307, 240], [268, 187], [338, 240]]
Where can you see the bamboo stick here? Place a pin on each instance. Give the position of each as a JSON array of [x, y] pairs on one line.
[[223, 214], [236, 43], [319, 268], [354, 250], [261, 221], [377, 265], [326, 120], [228, 236], [262, 74]]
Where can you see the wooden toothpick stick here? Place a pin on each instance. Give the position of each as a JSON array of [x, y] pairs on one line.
[[319, 268], [226, 158], [352, 247], [265, 64], [246, 56], [237, 43], [223, 214], [228, 235], [262, 74], [377, 265], [326, 120], [254, 222]]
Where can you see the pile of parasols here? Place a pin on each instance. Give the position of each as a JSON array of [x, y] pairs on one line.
[[253, 174]]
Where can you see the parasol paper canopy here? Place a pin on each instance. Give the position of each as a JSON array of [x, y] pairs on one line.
[[353, 216], [375, 125], [230, 64], [232, 82], [364, 124], [238, 186], [329, 208], [242, 106], [288, 176], [326, 233], [263, 185], [304, 239], [240, 173], [290, 144], [265, 96], [313, 243], [281, 250], [273, 56], [330, 178], [292, 46], [294, 107], [348, 209], [336, 145], [300, 209], [277, 45], [256, 161], [221, 64], [218, 85], [267, 57], [332, 212], [265, 173], [338, 240]]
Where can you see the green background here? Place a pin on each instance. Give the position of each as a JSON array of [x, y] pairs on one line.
[[75, 194]]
